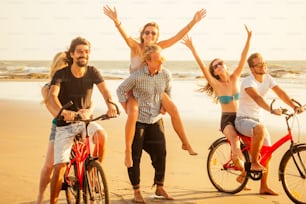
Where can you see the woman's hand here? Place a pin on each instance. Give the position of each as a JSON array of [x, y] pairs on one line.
[[199, 15], [187, 40], [112, 14], [248, 31]]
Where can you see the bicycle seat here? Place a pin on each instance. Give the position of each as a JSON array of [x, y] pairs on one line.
[[245, 139]]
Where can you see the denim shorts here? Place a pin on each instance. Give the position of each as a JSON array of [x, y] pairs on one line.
[[64, 139], [52, 133], [245, 126]]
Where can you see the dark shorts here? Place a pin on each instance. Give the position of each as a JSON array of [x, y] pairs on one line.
[[227, 118]]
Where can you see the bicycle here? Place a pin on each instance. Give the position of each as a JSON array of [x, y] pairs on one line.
[[223, 174], [84, 177]]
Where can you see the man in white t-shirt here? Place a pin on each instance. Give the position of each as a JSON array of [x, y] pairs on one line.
[[249, 115]]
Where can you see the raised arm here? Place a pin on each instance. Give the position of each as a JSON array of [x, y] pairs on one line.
[[199, 15], [237, 72], [112, 14], [188, 42]]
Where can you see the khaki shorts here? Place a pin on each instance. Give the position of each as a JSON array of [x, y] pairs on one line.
[[64, 139]]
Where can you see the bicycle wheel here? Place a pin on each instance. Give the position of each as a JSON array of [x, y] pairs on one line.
[[222, 173], [72, 189], [293, 174], [95, 185]]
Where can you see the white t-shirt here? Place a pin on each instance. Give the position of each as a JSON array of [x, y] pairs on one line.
[[247, 106]]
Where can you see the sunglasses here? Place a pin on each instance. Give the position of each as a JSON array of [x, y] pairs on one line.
[[260, 65], [148, 32], [215, 66]]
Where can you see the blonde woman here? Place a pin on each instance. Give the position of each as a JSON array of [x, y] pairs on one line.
[[148, 36], [59, 62]]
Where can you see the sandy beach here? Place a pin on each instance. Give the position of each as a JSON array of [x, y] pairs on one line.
[[25, 126]]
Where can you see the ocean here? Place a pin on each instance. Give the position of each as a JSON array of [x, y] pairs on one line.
[[285, 71], [290, 75]]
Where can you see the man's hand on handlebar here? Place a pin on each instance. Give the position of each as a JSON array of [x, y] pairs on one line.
[[85, 114], [299, 109], [277, 111], [113, 110], [69, 115]]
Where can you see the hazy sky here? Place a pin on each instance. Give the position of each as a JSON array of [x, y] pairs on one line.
[[37, 29]]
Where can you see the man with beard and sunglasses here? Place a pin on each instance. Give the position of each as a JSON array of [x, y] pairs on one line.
[[75, 83], [249, 115]]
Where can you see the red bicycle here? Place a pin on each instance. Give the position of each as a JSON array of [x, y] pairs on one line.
[[223, 173], [84, 177]]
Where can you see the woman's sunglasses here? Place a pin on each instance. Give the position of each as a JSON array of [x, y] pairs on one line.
[[148, 32]]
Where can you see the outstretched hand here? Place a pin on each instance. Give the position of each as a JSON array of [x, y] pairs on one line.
[[248, 31], [112, 14], [187, 40], [199, 15]]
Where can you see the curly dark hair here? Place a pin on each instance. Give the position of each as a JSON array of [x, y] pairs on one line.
[[74, 43]]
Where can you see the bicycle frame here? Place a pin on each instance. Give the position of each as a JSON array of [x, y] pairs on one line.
[[81, 150], [267, 151], [223, 173]]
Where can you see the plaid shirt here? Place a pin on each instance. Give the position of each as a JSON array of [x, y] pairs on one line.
[[147, 90]]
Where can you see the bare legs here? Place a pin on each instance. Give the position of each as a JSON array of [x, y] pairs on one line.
[[132, 113], [177, 123], [256, 145], [99, 141], [257, 141], [56, 182], [264, 189], [231, 134], [45, 173]]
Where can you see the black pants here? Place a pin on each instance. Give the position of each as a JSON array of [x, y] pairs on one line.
[[151, 138]]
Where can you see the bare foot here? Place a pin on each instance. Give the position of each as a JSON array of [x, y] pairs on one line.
[[267, 191], [240, 178], [138, 197], [238, 162], [257, 167], [160, 191], [188, 148]]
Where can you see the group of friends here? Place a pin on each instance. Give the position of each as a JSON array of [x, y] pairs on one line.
[[145, 97]]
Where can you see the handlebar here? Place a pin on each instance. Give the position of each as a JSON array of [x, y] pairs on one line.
[[78, 117], [284, 110]]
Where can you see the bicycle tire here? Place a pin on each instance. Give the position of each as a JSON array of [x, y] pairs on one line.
[[95, 184], [221, 171], [293, 182], [72, 191]]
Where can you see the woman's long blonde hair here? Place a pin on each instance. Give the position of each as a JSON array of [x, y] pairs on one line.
[[59, 62]]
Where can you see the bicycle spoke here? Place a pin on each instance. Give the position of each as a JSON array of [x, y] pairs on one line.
[[221, 170], [96, 187]]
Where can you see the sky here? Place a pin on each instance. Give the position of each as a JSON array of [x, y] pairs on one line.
[[38, 29]]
